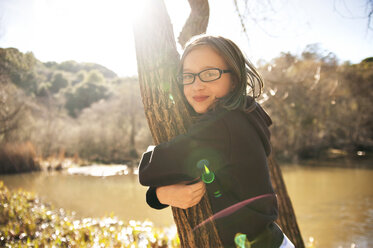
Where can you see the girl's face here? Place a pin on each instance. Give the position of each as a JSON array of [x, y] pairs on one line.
[[202, 95]]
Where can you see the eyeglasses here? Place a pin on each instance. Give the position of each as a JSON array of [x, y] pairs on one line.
[[207, 75]]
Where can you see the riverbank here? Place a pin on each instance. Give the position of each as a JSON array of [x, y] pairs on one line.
[[25, 220], [18, 158], [347, 163], [21, 157]]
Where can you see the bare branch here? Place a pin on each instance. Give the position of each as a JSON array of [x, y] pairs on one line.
[[13, 115], [197, 21], [241, 19], [5, 130], [263, 9], [370, 10], [350, 15]]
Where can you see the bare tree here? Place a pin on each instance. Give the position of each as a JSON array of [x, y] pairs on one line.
[[11, 110]]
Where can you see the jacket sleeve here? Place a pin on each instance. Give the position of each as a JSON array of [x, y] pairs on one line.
[[180, 159], [152, 199]]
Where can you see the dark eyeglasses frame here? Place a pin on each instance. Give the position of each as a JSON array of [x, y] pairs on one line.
[[180, 78]]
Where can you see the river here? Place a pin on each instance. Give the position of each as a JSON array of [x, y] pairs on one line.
[[334, 206]]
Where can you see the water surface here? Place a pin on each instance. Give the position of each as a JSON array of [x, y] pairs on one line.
[[334, 206]]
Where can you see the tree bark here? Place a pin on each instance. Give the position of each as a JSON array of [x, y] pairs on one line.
[[197, 21], [286, 220], [167, 115]]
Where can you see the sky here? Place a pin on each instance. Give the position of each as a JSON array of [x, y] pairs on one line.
[[100, 31]]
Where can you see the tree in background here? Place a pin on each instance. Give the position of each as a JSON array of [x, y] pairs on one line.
[[12, 111], [107, 123], [58, 82], [15, 71], [83, 94], [119, 128], [317, 104], [17, 68], [358, 80]]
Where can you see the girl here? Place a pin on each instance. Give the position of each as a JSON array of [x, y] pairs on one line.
[[224, 152]]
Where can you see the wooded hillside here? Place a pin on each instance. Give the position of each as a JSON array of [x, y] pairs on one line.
[[321, 107]]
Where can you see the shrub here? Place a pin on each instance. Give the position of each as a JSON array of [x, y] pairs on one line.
[[18, 157], [27, 222]]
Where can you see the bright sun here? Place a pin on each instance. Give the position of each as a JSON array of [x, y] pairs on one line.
[[95, 31], [85, 30]]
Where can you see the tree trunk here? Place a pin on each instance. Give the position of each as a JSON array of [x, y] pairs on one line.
[[286, 220], [167, 116]]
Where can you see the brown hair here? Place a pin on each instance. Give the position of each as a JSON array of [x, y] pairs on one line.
[[243, 72]]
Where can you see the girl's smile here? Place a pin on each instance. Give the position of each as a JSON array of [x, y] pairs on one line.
[[200, 98]]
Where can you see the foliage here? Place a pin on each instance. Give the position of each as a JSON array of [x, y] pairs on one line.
[[317, 105], [359, 82], [58, 83], [101, 132], [74, 67], [18, 68], [83, 95], [320, 107], [79, 107], [25, 221], [101, 141], [12, 111], [15, 158]]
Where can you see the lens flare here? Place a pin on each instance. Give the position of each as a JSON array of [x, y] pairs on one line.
[[232, 209], [241, 241], [208, 176], [207, 170], [202, 163], [217, 194]]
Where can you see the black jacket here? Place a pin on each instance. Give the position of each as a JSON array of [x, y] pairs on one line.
[[233, 145]]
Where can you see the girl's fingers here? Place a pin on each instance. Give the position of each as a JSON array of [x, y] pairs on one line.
[[181, 195], [197, 186], [200, 191], [199, 194], [196, 200]]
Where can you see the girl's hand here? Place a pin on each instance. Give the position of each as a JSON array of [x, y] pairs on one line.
[[181, 195]]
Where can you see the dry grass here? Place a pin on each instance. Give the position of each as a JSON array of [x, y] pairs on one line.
[[18, 157]]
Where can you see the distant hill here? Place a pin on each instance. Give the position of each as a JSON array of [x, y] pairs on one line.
[[74, 67], [75, 85]]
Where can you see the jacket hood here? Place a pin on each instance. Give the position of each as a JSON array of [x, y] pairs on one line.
[[260, 120], [254, 113]]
